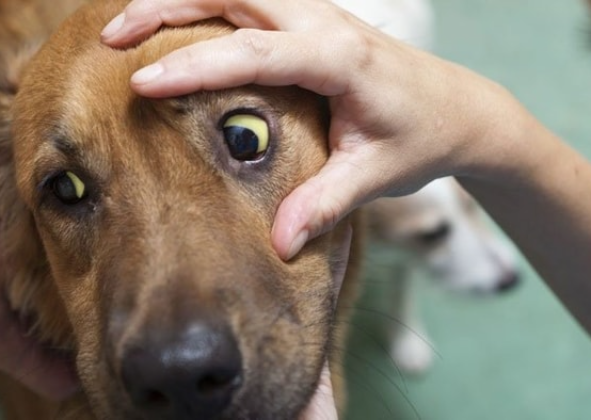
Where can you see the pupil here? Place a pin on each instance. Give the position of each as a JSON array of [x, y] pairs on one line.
[[65, 189], [242, 142]]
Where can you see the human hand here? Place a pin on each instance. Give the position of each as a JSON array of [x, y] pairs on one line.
[[322, 406], [26, 361], [400, 117]]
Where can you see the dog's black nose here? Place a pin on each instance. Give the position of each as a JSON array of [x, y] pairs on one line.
[[508, 282], [191, 377]]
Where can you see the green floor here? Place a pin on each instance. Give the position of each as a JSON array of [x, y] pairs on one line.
[[518, 356]]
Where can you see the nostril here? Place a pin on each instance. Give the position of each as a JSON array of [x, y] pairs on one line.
[[220, 381], [155, 399], [194, 376]]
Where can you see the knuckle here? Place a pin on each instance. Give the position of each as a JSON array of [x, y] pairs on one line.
[[331, 210], [144, 14], [177, 59], [139, 8], [352, 34], [253, 43], [331, 216]]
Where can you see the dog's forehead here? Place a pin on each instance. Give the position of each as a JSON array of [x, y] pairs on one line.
[[98, 106], [77, 91], [97, 88], [84, 87], [80, 80]]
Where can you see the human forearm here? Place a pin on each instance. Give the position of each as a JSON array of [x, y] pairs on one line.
[[539, 191]]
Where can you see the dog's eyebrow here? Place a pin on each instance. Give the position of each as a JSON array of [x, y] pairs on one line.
[[61, 143], [46, 161]]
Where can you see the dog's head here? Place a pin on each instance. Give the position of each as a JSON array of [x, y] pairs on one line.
[[154, 264], [444, 229]]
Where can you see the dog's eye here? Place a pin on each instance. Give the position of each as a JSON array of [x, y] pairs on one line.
[[247, 136], [68, 188], [435, 235]]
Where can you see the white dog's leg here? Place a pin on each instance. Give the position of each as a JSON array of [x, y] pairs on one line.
[[410, 346]]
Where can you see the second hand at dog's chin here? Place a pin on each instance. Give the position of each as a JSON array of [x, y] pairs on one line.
[[322, 405], [48, 373]]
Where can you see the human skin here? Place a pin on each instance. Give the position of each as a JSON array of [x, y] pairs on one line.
[[27, 361]]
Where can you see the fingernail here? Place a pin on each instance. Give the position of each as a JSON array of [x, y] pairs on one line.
[[113, 26], [147, 74], [297, 244]]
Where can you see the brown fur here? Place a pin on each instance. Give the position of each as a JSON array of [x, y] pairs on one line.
[[173, 228]]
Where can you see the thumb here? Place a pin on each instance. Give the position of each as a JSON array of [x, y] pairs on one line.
[[347, 181]]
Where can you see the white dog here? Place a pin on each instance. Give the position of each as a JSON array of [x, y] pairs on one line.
[[410, 21], [445, 231], [440, 228]]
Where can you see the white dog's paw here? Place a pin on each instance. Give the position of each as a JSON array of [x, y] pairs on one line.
[[412, 352]]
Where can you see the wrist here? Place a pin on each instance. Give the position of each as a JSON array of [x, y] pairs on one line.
[[500, 137]]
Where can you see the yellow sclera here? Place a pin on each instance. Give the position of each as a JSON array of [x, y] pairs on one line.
[[79, 186], [255, 124]]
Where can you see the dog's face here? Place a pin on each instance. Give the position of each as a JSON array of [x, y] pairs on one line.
[[155, 219], [442, 226]]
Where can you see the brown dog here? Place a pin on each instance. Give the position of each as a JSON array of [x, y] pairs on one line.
[[138, 239]]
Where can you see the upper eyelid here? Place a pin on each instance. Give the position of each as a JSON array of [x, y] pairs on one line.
[[57, 156], [46, 169], [238, 111], [49, 176], [64, 145], [61, 152]]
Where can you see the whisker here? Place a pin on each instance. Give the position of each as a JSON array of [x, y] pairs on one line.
[[344, 350], [373, 390], [372, 365], [392, 319], [367, 386], [389, 380], [377, 342], [376, 390]]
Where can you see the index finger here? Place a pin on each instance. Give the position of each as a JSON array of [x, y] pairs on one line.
[[143, 17]]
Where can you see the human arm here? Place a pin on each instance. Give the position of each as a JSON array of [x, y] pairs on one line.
[[400, 118]]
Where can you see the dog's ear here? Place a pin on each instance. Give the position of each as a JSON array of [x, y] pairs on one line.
[[16, 225], [13, 58], [12, 64], [25, 277], [16, 50]]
